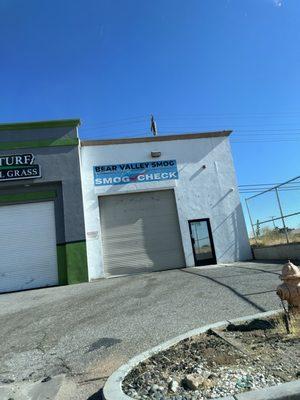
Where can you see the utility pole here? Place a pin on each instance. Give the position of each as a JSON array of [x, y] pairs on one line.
[[272, 217], [282, 217], [257, 228]]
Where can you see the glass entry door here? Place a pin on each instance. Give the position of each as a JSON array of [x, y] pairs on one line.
[[202, 242]]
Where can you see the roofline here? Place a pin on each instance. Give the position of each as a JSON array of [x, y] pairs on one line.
[[39, 124], [164, 138]]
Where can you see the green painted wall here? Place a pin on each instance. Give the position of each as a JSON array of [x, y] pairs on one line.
[[30, 196], [62, 265], [72, 263], [40, 124]]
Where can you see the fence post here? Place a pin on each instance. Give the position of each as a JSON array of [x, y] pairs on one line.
[[282, 217], [254, 235]]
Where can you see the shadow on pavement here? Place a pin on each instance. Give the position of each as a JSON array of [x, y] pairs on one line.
[[268, 271], [97, 396], [234, 291]]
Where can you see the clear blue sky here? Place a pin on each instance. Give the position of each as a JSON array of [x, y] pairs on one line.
[[197, 65]]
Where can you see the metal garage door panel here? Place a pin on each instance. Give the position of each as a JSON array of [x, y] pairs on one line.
[[28, 246], [140, 232]]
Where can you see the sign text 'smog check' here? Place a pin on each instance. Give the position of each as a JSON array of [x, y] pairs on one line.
[[139, 172]]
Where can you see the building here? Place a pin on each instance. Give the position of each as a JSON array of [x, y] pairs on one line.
[[73, 213], [42, 235], [161, 202]]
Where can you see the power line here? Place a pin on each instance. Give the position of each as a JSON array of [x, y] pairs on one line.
[[260, 184], [240, 135], [194, 116], [144, 131], [297, 130], [267, 184], [112, 125], [264, 141], [118, 120], [292, 185], [213, 115], [236, 133], [261, 191]]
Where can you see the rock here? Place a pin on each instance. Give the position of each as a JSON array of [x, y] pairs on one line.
[[173, 385], [207, 383], [154, 388], [131, 392], [48, 378], [7, 380], [192, 381], [281, 375], [212, 375]]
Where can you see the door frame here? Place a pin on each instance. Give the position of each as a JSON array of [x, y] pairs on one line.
[[212, 260]]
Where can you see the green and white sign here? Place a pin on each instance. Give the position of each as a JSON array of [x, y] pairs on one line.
[[18, 166]]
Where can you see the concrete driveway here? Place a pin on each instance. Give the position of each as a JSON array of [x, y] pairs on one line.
[[88, 330]]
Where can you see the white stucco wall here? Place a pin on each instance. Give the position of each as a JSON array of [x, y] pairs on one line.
[[200, 193]]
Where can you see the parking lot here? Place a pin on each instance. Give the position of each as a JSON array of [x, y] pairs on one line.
[[88, 330]]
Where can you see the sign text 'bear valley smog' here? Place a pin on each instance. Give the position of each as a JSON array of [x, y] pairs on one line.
[[138, 172]]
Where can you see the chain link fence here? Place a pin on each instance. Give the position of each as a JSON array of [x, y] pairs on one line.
[[274, 214]]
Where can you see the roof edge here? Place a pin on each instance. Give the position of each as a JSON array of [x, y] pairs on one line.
[[39, 124], [186, 136]]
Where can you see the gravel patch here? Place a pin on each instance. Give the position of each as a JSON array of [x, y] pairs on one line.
[[218, 363]]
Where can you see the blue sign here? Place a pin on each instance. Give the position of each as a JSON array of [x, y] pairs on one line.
[[138, 172]]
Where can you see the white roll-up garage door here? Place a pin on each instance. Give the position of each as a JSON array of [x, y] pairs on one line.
[[140, 232], [28, 246]]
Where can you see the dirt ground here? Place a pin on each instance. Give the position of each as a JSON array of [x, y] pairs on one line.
[[242, 357]]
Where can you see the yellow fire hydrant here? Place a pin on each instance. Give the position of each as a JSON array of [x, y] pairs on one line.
[[289, 290]]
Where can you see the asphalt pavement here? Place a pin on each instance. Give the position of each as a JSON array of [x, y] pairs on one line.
[[86, 331]]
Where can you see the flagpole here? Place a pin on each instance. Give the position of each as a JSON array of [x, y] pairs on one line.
[[153, 126]]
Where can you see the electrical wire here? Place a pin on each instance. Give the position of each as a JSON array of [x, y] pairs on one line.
[[103, 126], [118, 120], [241, 134]]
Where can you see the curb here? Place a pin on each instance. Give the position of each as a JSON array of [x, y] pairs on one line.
[[287, 391]]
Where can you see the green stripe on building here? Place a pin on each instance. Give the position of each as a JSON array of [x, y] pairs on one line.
[[30, 196], [39, 124], [39, 143], [72, 263], [62, 264]]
